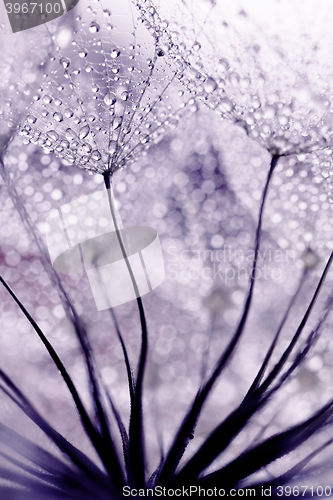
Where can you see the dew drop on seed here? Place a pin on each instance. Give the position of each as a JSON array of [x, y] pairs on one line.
[[88, 69], [124, 95], [70, 134], [86, 147], [145, 139], [95, 88], [110, 98], [223, 64], [52, 134], [196, 46], [45, 113], [65, 62], [91, 118], [84, 131], [58, 117], [31, 119], [106, 13], [210, 85], [47, 99], [234, 78], [225, 105], [112, 147], [57, 102], [65, 144], [68, 113], [83, 53], [115, 53], [94, 27], [116, 122], [96, 155]]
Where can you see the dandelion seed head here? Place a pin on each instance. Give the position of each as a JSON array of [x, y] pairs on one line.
[[116, 83]]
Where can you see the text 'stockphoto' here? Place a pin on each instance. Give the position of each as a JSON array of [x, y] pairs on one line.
[[166, 248]]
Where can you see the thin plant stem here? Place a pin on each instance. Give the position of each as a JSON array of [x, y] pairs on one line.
[[136, 437], [183, 436], [270, 351]]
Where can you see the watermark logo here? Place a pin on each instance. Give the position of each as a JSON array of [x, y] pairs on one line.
[[226, 264], [25, 14], [82, 235]]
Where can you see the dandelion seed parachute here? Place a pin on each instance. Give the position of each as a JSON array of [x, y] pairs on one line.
[[266, 66], [107, 94]]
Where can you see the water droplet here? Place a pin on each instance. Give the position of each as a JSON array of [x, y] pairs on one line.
[[52, 134], [234, 78], [31, 119], [225, 105], [95, 88], [83, 53], [96, 155], [196, 46], [57, 102], [86, 147], [117, 122], [210, 85], [193, 106], [84, 131], [223, 64], [269, 112], [47, 99], [112, 147], [88, 69], [91, 118], [65, 144], [115, 53], [124, 95], [160, 53], [145, 139], [94, 27], [70, 134], [68, 113], [310, 258], [110, 98], [58, 117], [65, 62], [44, 113], [106, 13]]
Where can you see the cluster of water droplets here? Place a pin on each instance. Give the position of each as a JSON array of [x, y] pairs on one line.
[[277, 88], [108, 94]]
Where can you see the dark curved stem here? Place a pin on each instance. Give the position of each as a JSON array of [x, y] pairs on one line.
[[270, 351], [136, 436], [189, 423]]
